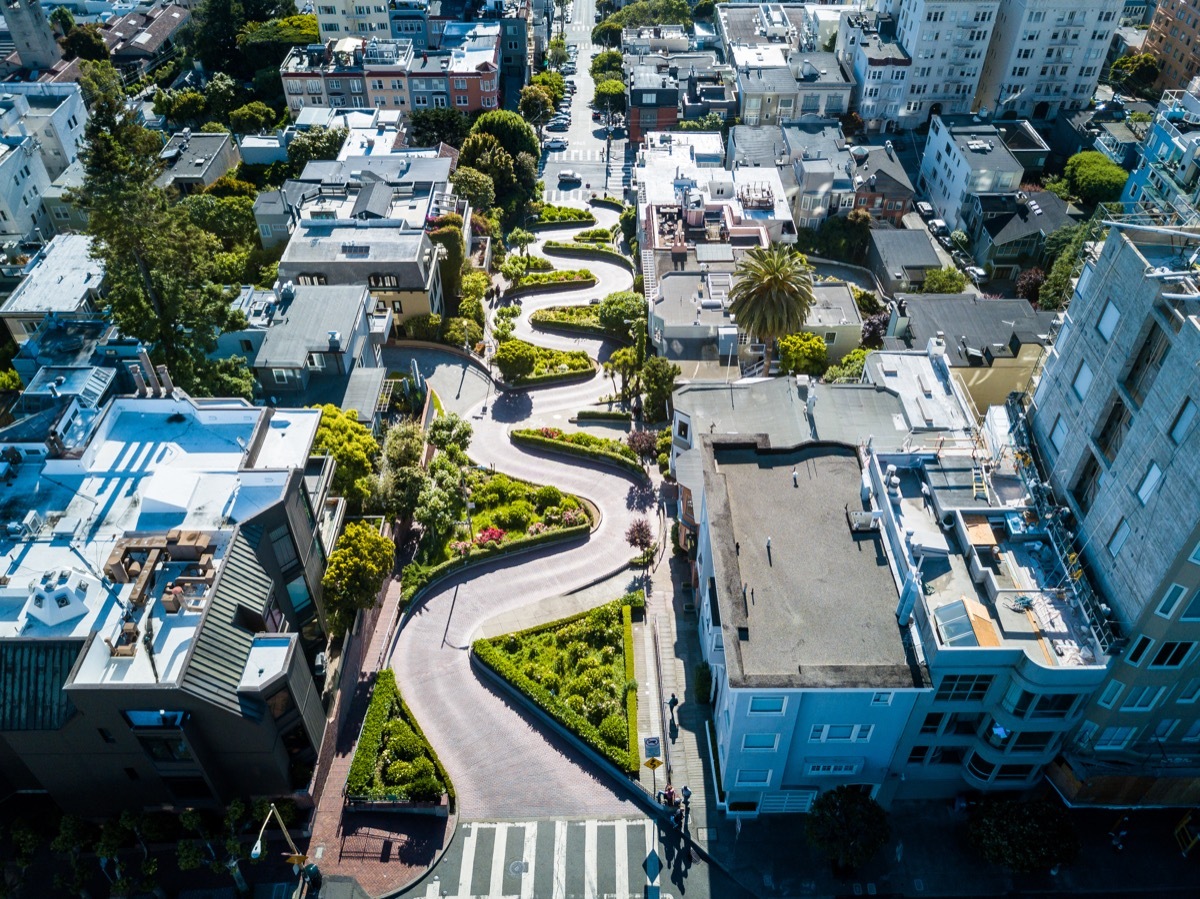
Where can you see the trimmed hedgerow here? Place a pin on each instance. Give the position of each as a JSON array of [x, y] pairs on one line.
[[603, 415], [559, 276], [594, 251], [577, 443], [631, 693], [562, 215], [608, 203]]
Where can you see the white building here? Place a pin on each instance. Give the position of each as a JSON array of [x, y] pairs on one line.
[[1047, 56], [963, 157], [336, 18]]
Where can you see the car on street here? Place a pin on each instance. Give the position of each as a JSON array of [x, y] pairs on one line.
[[568, 69], [976, 274], [558, 125], [568, 175], [555, 143], [599, 16], [937, 227], [925, 210]]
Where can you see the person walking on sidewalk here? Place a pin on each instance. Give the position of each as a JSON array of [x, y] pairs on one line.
[[686, 793], [672, 703]]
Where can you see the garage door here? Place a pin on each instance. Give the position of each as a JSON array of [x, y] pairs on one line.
[[787, 801]]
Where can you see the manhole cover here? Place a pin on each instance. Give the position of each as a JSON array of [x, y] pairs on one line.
[[517, 867]]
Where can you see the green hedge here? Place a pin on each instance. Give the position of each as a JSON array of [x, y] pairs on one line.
[[564, 215], [631, 693], [603, 415], [552, 247], [594, 235], [414, 583], [608, 203], [495, 659], [550, 287], [408, 716], [548, 324], [554, 377], [559, 276], [529, 437], [361, 778]]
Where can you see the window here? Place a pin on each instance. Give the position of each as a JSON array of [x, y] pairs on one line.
[[882, 699], [1163, 729], [1141, 699], [916, 755], [280, 703], [753, 777], [1193, 733], [1139, 650], [281, 543], [960, 687], [932, 722], [767, 705], [1149, 482], [166, 748], [1111, 692], [1083, 380], [1183, 421], [1115, 429], [760, 742], [1033, 741], [1170, 601], [1118, 538], [1114, 738], [831, 768], [841, 733], [1172, 654], [1190, 692], [298, 593], [1058, 435], [155, 719], [1146, 364]]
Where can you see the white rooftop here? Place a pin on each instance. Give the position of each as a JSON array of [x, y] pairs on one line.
[[60, 281]]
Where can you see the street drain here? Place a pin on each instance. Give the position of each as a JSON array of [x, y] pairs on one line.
[[518, 866]]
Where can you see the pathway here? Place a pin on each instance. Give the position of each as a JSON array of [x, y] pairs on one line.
[[503, 764]]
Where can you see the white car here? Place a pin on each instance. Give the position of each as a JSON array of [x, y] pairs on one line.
[[555, 143], [976, 274]]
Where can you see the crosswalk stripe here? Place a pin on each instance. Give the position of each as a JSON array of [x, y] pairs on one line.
[[560, 860], [468, 863], [589, 860], [496, 884], [621, 851], [530, 856], [651, 842]]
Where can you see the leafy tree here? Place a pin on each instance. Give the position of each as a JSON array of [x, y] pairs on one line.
[[1027, 837], [515, 359], [641, 12], [400, 490], [610, 95], [486, 154], [353, 449], [960, 239], [231, 186], [1095, 178], [512, 131], [1059, 187], [607, 64], [842, 237], [316, 143], [848, 825], [1135, 72], [451, 261], [220, 95], [535, 105], [556, 53], [944, 280], [644, 443], [704, 10], [607, 34], [10, 380], [84, 42], [803, 353], [712, 121], [850, 368], [475, 285], [1029, 284], [252, 118], [62, 19], [231, 377], [1060, 239], [404, 445], [618, 308], [159, 265], [525, 169], [450, 430], [1056, 290], [214, 128], [268, 42], [230, 219], [639, 534], [475, 187], [430, 127], [875, 329], [771, 294], [521, 239], [553, 83], [185, 107], [622, 362], [355, 573], [214, 26], [436, 511], [658, 380]]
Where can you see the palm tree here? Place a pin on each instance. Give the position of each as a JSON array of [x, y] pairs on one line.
[[772, 294]]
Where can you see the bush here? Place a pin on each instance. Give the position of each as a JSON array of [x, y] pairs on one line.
[[546, 496], [595, 251], [804, 353], [424, 327], [553, 215], [614, 731], [581, 277], [462, 332], [593, 235], [522, 362], [1028, 837], [603, 415], [579, 444], [944, 280], [361, 778]]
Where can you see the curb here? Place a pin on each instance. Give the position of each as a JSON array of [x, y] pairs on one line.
[[457, 818], [599, 460], [519, 291], [444, 347]]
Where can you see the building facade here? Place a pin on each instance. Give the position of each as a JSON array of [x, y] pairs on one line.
[[1174, 30], [964, 157], [1167, 176]]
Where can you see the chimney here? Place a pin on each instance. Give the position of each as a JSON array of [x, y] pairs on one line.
[[335, 340], [165, 377], [148, 369], [136, 371]]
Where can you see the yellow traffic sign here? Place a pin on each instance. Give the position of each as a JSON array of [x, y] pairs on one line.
[[654, 764]]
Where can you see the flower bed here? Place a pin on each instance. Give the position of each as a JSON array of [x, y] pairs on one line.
[[577, 443], [393, 760], [538, 279], [564, 215], [579, 670], [594, 251]]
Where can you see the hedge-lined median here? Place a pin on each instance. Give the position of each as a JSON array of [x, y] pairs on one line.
[[569, 670], [603, 415], [558, 276], [593, 235], [586, 251], [608, 203], [577, 320], [564, 215], [577, 443]]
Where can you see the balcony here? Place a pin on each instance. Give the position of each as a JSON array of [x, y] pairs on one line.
[[381, 326]]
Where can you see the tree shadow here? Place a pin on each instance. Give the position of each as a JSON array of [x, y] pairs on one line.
[[640, 496], [512, 407]]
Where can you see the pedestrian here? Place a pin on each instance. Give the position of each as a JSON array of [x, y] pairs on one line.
[[795, 477], [686, 793], [678, 818], [672, 703], [768, 544]]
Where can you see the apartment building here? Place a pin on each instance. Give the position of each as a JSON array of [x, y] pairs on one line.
[[194, 161], [1111, 427], [1173, 35], [1167, 177], [64, 283], [965, 156], [163, 619], [1046, 56], [651, 102], [53, 114], [777, 86], [914, 61], [337, 18]]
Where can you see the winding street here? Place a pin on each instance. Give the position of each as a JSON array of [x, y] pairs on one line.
[[504, 765]]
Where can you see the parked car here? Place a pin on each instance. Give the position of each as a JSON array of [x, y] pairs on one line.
[[568, 175], [556, 143], [938, 227], [961, 259], [568, 69], [976, 274], [558, 125], [925, 210]]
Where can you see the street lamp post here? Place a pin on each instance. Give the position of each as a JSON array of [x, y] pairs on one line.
[[310, 873]]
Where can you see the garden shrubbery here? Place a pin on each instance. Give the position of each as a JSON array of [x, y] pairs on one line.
[[562, 276], [521, 362], [594, 235], [553, 215], [578, 443], [578, 670], [597, 250]]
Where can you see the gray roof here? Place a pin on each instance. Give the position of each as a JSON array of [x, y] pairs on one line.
[[904, 250], [62, 281], [884, 167], [993, 155], [760, 144], [270, 202], [396, 169], [359, 391], [773, 80], [182, 151], [306, 321], [32, 676], [973, 328], [373, 201], [852, 413], [820, 606], [402, 252], [1022, 220], [820, 68], [222, 643]]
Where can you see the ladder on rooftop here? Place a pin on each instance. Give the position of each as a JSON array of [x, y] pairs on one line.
[[978, 483]]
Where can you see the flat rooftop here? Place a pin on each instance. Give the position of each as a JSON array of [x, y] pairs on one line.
[[155, 489], [63, 279], [819, 607]]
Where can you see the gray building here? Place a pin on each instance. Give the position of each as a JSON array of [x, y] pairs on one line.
[[1112, 422], [163, 620], [65, 283], [900, 259], [194, 161]]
